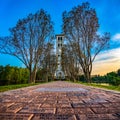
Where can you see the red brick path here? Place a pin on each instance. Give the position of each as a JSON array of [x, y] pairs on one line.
[[59, 101]]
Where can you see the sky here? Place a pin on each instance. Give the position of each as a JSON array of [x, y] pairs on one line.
[[108, 12]]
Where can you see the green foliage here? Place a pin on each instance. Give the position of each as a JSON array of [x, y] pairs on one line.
[[82, 78], [113, 78], [13, 75], [118, 72], [100, 79]]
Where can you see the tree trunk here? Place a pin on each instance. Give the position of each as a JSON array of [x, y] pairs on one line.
[[30, 76], [74, 78], [87, 76], [34, 76], [34, 73]]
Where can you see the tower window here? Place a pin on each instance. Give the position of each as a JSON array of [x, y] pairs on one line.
[[59, 38], [59, 45]]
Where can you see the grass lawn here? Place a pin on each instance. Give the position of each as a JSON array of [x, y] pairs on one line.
[[106, 86], [11, 87]]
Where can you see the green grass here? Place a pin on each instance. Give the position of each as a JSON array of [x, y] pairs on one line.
[[106, 86], [11, 87]]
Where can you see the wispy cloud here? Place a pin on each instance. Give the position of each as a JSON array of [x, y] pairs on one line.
[[116, 37], [107, 61]]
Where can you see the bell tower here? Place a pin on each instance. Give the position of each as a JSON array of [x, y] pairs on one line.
[[59, 45]]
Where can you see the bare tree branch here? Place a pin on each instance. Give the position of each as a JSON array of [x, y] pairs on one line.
[[80, 27]]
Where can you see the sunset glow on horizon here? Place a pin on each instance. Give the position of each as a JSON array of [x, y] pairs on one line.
[[106, 62]]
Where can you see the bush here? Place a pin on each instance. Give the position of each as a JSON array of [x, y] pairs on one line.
[[82, 78], [114, 80], [100, 79], [3, 82]]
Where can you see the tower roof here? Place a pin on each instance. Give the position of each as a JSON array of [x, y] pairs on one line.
[[59, 35]]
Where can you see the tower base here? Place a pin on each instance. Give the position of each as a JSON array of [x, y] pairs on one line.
[[59, 75]]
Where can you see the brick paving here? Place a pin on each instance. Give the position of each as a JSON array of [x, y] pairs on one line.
[[59, 101]]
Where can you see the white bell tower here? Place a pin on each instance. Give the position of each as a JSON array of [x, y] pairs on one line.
[[59, 45]]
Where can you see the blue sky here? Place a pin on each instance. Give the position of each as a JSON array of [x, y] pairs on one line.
[[108, 12]]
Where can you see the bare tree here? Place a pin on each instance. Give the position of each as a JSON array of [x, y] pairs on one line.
[[80, 26], [70, 63], [28, 40], [49, 61]]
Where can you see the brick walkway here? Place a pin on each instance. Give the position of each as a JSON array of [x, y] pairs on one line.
[[59, 101]]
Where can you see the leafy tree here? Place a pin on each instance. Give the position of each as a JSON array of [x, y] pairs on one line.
[[15, 79], [100, 79], [113, 74], [118, 72], [80, 26], [13, 75], [28, 40], [111, 78], [24, 75], [1, 72], [8, 73], [2, 75]]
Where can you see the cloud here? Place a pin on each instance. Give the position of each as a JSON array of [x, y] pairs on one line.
[[113, 54], [116, 37], [107, 61]]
